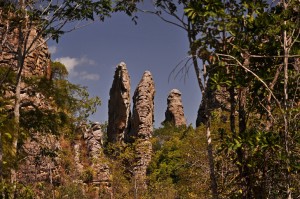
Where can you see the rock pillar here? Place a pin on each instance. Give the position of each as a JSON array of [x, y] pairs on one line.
[[175, 113], [119, 105], [142, 127]]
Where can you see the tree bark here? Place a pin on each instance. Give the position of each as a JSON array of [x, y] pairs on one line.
[[20, 64], [286, 50], [243, 168], [204, 89]]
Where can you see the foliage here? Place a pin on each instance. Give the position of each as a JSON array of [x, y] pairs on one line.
[[21, 191], [178, 168], [122, 161], [242, 44], [54, 107], [250, 52]]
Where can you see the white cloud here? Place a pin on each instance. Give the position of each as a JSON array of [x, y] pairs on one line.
[[52, 49], [71, 63], [88, 76], [85, 60]]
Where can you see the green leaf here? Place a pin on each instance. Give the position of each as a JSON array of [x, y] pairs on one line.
[[8, 135]]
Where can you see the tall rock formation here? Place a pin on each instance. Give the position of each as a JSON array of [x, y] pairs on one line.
[[175, 113], [119, 105], [142, 127], [40, 161], [94, 141], [143, 108], [90, 160], [37, 61]]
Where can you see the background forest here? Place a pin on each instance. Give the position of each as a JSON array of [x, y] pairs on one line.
[[246, 144]]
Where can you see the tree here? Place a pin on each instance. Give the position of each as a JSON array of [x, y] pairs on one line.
[[64, 106], [179, 167], [248, 62], [239, 45], [31, 24], [174, 12]]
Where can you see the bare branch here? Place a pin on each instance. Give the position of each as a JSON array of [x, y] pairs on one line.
[[255, 75], [165, 20]]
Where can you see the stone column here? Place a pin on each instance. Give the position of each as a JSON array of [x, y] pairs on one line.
[[175, 113], [142, 128], [119, 105]]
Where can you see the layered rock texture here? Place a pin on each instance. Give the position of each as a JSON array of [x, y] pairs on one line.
[[119, 105], [47, 158], [139, 128], [44, 153], [41, 162], [143, 108], [93, 138], [37, 61], [142, 126], [175, 113]]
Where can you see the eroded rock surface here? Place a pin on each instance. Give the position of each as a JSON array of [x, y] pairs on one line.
[[175, 113], [37, 61], [92, 156], [41, 162], [94, 141], [142, 127], [143, 108], [119, 105]]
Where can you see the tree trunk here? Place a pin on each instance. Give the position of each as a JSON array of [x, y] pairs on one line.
[[286, 50], [214, 186], [16, 120], [1, 158], [204, 90], [243, 168], [285, 117], [20, 64]]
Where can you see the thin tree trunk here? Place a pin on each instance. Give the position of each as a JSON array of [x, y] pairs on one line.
[[214, 186], [285, 117], [269, 97], [16, 122], [244, 170], [286, 49], [204, 90], [232, 110], [20, 63]]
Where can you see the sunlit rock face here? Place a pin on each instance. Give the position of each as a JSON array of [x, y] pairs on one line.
[[94, 141], [40, 151], [142, 127], [175, 113], [88, 153], [41, 162], [119, 105], [143, 108], [37, 60]]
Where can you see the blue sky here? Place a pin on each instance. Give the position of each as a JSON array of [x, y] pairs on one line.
[[92, 53]]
